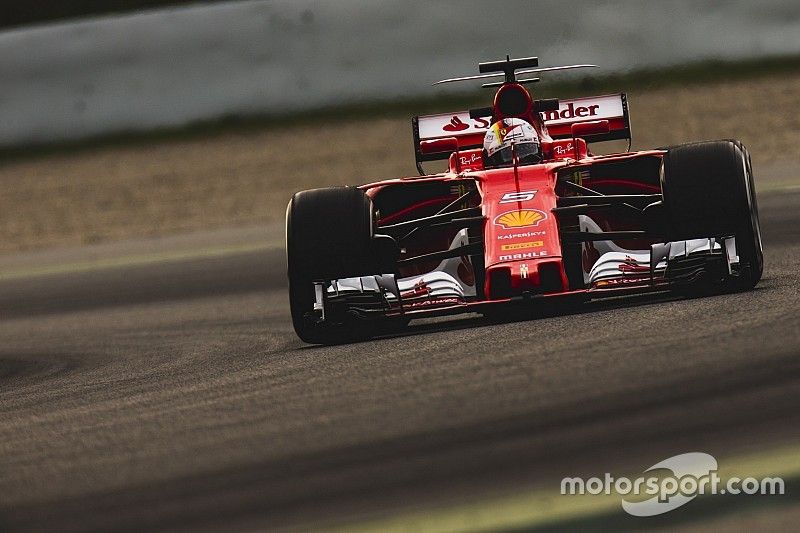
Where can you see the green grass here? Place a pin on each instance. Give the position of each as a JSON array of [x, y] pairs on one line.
[[700, 73]]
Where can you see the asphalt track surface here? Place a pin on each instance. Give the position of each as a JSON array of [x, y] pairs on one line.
[[176, 396]]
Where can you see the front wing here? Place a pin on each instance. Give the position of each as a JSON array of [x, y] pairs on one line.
[[445, 291]]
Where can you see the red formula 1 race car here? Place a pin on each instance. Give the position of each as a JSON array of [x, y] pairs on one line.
[[525, 213]]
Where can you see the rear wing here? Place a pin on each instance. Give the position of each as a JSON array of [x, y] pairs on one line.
[[470, 131]]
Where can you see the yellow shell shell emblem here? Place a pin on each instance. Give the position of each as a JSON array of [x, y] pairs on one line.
[[519, 219]]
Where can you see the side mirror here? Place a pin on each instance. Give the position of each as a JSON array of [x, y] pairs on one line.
[[439, 146]]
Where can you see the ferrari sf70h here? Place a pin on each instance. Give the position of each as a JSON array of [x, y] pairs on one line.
[[547, 223]]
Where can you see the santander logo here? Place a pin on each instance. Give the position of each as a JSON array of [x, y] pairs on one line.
[[571, 111], [456, 124]]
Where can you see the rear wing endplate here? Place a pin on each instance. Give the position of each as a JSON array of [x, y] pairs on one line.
[[470, 131]]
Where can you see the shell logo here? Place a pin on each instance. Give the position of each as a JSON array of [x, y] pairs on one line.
[[519, 219]]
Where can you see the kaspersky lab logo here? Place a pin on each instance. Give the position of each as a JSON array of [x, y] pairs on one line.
[[690, 475]]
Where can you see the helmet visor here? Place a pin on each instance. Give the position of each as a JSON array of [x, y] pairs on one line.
[[526, 152]]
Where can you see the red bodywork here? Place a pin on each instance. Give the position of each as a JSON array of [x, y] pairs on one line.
[[521, 235], [521, 232], [523, 254]]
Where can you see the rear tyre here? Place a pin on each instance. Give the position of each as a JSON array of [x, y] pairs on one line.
[[709, 192], [328, 236]]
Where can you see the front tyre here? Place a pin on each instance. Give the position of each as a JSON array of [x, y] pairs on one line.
[[709, 192], [329, 235]]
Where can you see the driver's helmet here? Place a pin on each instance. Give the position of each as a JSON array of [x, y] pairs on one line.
[[497, 144]]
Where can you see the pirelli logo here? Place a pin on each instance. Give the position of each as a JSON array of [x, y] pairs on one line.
[[522, 245]]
